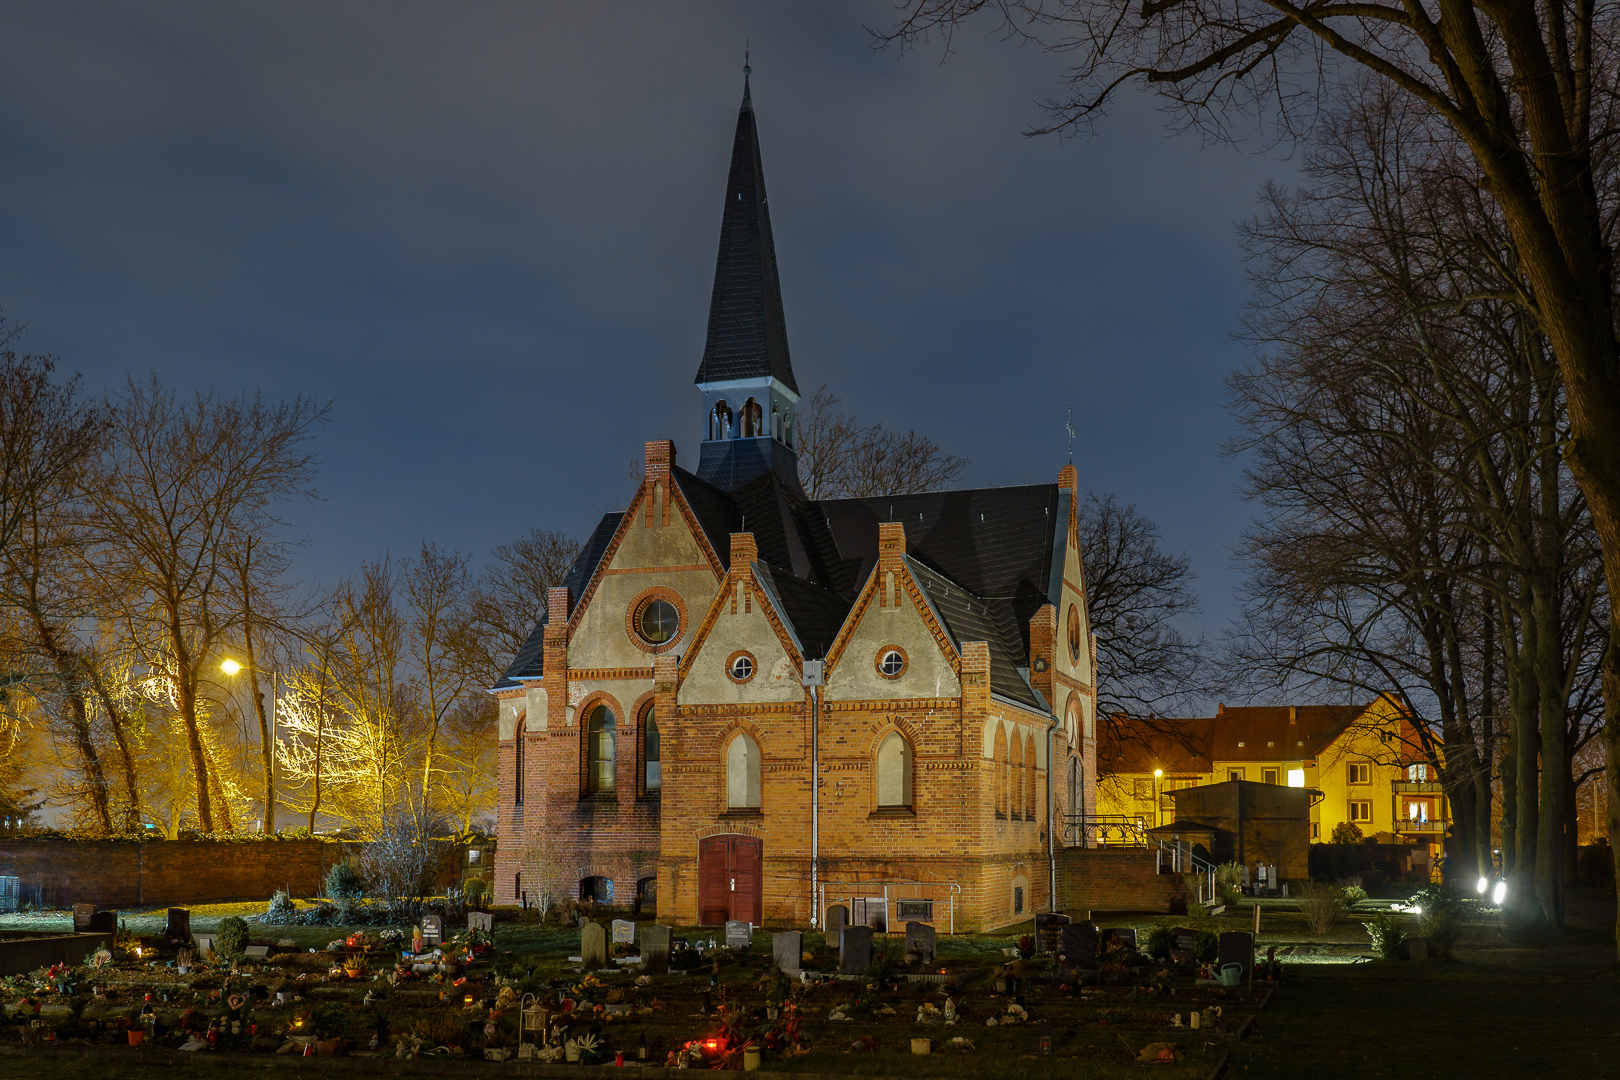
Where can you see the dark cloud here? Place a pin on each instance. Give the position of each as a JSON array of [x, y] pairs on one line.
[[487, 231]]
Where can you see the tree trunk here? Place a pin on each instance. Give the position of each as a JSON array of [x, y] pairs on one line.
[[132, 788], [1554, 760]]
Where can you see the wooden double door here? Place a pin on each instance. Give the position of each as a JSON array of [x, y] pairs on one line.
[[731, 880]]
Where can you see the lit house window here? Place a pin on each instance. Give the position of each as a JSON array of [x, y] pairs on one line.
[[1296, 777], [1418, 774]]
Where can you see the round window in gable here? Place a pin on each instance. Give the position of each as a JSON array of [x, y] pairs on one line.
[[740, 667], [891, 662], [658, 622]]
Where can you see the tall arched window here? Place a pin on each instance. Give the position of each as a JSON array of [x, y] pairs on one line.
[[1074, 787], [1000, 767], [601, 750], [1030, 778], [894, 771], [652, 769], [750, 418], [721, 425], [742, 774], [1017, 796]]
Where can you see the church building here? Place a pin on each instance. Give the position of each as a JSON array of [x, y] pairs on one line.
[[746, 704]]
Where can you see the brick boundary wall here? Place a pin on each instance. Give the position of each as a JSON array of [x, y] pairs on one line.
[[132, 873], [1115, 879]]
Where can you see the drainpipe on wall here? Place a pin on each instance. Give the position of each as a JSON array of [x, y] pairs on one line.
[[813, 680], [1051, 823]]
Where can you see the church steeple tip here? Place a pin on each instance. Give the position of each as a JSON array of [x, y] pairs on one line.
[[748, 98]]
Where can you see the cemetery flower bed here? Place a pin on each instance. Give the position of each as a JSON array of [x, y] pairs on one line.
[[693, 999]]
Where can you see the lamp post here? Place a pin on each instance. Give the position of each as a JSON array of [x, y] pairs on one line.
[[1158, 775], [232, 668]]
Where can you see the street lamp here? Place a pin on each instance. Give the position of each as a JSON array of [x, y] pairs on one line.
[[1158, 818], [231, 668]]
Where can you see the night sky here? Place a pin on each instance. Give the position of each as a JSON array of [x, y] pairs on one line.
[[487, 234]]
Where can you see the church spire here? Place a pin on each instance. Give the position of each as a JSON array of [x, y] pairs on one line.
[[747, 334]]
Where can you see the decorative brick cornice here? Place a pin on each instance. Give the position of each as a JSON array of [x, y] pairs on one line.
[[603, 674]]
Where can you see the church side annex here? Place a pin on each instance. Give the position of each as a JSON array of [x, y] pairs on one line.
[[725, 642]]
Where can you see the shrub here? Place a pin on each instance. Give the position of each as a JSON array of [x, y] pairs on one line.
[[1352, 894], [1157, 941], [1320, 905], [477, 890], [1388, 935], [1346, 832], [281, 909], [1442, 927], [233, 935], [1208, 946], [343, 882], [1227, 878]]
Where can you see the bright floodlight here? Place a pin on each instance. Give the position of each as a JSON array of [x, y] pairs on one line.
[[1499, 893], [1158, 772], [230, 667], [1483, 886]]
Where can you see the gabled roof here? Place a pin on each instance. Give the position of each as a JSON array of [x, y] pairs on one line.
[[530, 661], [1267, 734], [813, 614], [967, 618], [747, 332]]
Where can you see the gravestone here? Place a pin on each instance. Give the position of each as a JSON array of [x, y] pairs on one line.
[[1049, 931], [837, 919], [655, 945], [179, 928], [82, 914], [920, 941], [1417, 948], [624, 932], [1079, 945], [205, 944], [481, 920], [739, 935], [1183, 944], [787, 951], [854, 949], [1125, 935], [104, 922], [257, 952], [432, 931], [1237, 947], [593, 946]]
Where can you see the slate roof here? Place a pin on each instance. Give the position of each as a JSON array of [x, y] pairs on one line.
[[530, 661], [814, 614], [747, 332], [968, 618], [1265, 731]]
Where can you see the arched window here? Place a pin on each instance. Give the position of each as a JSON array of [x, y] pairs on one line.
[[720, 423], [1030, 777], [652, 770], [601, 751], [1000, 766], [750, 418], [894, 771], [1017, 796], [742, 774]]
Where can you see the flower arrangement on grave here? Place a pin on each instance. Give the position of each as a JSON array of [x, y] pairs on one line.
[[355, 966]]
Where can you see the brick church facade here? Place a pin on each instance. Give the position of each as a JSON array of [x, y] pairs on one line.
[[726, 643]]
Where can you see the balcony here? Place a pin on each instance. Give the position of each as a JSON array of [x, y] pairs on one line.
[[1417, 787], [1421, 828]]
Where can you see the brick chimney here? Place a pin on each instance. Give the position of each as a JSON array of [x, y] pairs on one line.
[[660, 457], [891, 544]]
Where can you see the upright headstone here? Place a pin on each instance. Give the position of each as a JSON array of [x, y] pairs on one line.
[[1237, 947], [593, 946], [205, 944], [739, 935], [837, 919], [1183, 944], [481, 920], [82, 914], [179, 928], [855, 949], [1125, 935], [655, 945], [104, 922], [432, 931], [1417, 948], [1080, 945], [787, 951], [920, 941], [624, 932], [1049, 931]]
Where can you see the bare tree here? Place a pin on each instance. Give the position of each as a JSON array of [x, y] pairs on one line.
[[510, 598], [840, 458], [1136, 593], [1526, 88], [437, 587], [185, 481]]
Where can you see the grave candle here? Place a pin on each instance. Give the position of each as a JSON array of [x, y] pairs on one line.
[[1046, 1038]]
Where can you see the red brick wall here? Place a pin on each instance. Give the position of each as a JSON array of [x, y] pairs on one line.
[[130, 873], [1114, 879]]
